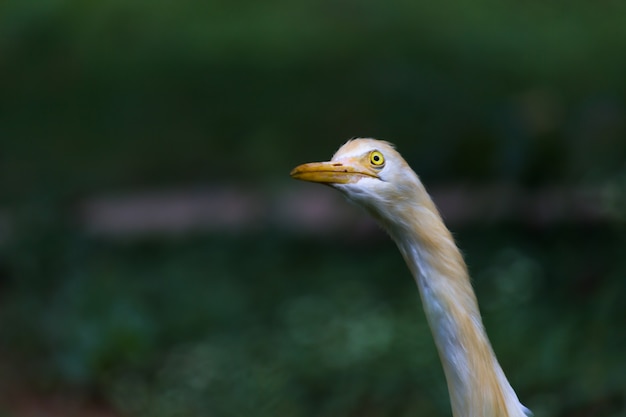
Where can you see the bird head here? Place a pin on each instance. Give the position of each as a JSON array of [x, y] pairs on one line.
[[369, 172]]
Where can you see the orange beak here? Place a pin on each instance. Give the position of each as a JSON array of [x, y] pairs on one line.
[[330, 172]]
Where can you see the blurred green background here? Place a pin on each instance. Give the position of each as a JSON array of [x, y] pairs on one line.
[[104, 101]]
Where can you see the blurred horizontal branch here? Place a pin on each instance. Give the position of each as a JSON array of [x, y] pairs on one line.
[[310, 209]]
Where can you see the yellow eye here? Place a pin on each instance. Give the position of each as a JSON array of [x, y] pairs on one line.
[[377, 159]]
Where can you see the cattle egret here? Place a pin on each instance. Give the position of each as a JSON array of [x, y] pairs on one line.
[[372, 174]]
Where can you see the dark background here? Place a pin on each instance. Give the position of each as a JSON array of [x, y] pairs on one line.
[[156, 259]]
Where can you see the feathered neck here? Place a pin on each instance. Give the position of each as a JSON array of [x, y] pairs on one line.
[[477, 385]]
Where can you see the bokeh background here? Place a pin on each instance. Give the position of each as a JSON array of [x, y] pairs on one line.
[[156, 259]]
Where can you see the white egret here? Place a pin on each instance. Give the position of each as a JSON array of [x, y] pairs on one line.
[[372, 174]]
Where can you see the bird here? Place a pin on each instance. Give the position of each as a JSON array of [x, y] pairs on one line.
[[372, 174]]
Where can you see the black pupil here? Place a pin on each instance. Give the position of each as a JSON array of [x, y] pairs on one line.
[[376, 158]]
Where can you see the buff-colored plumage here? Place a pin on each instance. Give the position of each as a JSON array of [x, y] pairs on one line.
[[395, 196]]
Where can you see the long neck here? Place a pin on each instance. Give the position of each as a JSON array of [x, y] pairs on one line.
[[477, 385]]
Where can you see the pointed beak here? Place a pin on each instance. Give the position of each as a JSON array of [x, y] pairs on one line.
[[330, 172]]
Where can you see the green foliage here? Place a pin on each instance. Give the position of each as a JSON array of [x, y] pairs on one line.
[[156, 93], [279, 326]]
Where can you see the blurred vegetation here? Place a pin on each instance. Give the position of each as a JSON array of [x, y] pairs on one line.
[[117, 96], [139, 92], [310, 327]]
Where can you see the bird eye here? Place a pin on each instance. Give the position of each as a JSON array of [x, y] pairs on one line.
[[377, 159]]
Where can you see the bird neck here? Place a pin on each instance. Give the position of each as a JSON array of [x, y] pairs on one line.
[[477, 385]]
